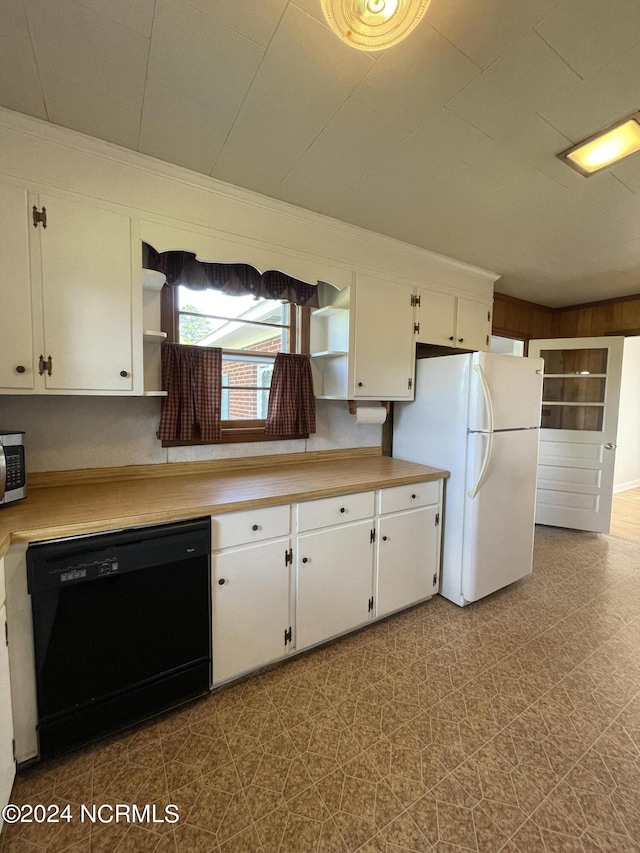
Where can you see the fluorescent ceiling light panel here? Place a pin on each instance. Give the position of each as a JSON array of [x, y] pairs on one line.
[[605, 148]]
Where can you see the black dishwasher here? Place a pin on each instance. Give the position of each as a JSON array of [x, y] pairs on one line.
[[122, 628]]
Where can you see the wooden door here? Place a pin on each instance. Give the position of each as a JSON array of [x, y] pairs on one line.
[[7, 763], [384, 351], [334, 569], [16, 362], [408, 554], [250, 607], [579, 427], [86, 296]]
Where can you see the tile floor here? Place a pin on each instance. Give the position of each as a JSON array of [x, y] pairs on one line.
[[512, 725]]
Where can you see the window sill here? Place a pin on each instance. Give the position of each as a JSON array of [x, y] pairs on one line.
[[237, 435]]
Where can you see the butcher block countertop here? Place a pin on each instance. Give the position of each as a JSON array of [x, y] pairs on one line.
[[76, 502]]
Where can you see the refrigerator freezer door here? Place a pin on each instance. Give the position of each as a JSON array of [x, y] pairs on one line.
[[499, 521], [515, 391]]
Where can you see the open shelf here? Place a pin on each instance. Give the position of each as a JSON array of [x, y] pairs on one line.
[[328, 354], [153, 280], [153, 336], [156, 393]]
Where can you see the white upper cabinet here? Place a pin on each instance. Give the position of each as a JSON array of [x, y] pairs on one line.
[[383, 348], [444, 319], [66, 318], [16, 358], [86, 297]]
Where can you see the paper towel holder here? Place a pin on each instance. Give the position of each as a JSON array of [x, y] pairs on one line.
[[353, 406]]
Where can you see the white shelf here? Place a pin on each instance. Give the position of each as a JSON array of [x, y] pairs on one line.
[[329, 311], [156, 393], [153, 336], [153, 280], [329, 354]]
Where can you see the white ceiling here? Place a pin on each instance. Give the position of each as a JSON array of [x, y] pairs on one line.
[[446, 141]]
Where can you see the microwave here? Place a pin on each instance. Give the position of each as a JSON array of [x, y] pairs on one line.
[[13, 472]]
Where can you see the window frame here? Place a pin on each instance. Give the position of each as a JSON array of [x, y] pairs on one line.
[[235, 431]]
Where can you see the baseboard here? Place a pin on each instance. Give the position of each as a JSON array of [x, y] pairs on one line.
[[624, 487]]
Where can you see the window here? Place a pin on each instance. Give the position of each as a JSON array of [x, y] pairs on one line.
[[250, 331]]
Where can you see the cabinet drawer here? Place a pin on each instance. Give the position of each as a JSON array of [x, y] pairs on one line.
[[253, 525], [406, 497], [326, 512]]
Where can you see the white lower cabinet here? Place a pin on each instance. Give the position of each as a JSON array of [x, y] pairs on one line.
[[251, 596], [346, 560], [407, 545], [7, 763], [334, 573], [408, 550]]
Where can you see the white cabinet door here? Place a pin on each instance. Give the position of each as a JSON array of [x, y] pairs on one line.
[[334, 570], [452, 321], [408, 551], [473, 325], [436, 318], [16, 362], [86, 296], [7, 763], [251, 607], [384, 351]]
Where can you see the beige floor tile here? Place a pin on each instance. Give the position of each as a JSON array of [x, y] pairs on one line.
[[512, 725]]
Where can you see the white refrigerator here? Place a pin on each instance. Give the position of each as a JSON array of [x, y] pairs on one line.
[[478, 416]]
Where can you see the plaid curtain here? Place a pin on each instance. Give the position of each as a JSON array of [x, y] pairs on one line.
[[192, 377], [292, 405]]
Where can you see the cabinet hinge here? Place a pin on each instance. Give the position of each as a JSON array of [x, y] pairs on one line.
[[13, 748], [6, 633], [288, 557], [488, 316], [416, 328], [487, 340], [370, 604], [409, 383], [415, 301], [437, 519], [372, 535], [39, 216], [435, 579], [287, 635]]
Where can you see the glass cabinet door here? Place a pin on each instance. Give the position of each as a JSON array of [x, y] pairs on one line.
[[573, 393]]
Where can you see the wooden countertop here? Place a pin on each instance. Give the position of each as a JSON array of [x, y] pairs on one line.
[[106, 504]]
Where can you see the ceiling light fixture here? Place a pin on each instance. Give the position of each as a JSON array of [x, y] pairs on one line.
[[373, 24], [605, 148]]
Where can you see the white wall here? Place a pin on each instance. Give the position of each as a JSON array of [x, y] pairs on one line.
[[64, 433], [627, 470]]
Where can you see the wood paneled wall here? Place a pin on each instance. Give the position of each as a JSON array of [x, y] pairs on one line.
[[517, 318]]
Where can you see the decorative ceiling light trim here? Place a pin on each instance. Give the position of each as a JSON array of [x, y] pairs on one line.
[[373, 24], [605, 148]]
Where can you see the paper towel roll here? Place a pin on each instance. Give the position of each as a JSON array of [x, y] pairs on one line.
[[371, 415]]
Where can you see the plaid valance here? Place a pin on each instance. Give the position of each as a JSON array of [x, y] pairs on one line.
[[183, 268]]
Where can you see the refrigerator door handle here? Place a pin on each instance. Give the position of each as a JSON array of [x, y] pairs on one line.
[[485, 465], [487, 396]]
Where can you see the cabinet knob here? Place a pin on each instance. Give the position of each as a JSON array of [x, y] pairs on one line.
[[360, 384], [460, 340], [221, 582], [343, 509], [413, 497], [305, 559], [124, 374], [384, 538], [20, 368], [254, 527], [451, 338]]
